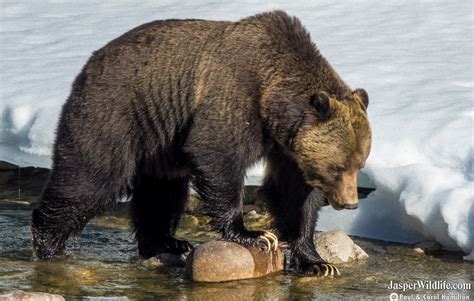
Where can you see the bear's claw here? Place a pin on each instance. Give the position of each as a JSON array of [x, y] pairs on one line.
[[270, 241], [326, 269]]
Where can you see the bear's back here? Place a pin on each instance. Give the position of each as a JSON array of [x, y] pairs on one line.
[[161, 48], [148, 71]]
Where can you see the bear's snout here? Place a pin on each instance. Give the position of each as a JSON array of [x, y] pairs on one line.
[[339, 204], [345, 196], [351, 206]]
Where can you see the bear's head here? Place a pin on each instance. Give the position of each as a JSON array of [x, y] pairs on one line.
[[332, 143]]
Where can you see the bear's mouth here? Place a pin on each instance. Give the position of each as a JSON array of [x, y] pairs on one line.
[[336, 206], [339, 207]]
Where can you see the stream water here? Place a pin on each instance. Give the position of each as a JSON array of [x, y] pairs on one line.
[[103, 262]]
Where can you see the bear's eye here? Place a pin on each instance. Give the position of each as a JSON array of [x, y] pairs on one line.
[[338, 169]]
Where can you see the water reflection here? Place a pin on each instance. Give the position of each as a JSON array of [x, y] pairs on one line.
[[103, 262]]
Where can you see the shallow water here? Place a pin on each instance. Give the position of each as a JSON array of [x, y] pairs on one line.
[[103, 261]]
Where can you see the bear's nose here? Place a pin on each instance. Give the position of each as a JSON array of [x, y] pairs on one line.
[[351, 206]]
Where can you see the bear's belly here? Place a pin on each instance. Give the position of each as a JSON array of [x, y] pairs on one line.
[[174, 173]]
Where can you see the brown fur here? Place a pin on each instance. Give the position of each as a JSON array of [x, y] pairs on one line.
[[340, 145], [192, 102]]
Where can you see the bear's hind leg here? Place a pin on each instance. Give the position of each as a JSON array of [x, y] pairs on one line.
[[66, 204], [156, 207]]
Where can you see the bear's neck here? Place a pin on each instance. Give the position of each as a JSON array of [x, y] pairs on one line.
[[309, 76], [283, 51], [325, 78]]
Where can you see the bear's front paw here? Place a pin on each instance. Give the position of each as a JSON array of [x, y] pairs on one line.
[[262, 239], [312, 264], [322, 269], [268, 241], [177, 246], [325, 269]]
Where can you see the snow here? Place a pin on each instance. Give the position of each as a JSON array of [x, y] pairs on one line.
[[469, 257], [414, 59]]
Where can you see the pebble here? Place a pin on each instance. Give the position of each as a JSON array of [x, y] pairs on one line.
[[427, 246], [18, 295]]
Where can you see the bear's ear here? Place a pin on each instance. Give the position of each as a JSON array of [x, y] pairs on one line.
[[323, 104], [364, 97]]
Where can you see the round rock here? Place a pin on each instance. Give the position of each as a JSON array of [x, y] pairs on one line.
[[217, 261], [337, 247]]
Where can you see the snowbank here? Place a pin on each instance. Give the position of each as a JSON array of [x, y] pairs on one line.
[[414, 59]]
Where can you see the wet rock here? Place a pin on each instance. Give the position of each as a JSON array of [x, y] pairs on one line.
[[18, 295], [218, 261], [248, 208], [13, 202], [188, 221], [165, 259], [427, 246], [337, 247], [109, 298], [252, 215], [255, 221], [192, 204]]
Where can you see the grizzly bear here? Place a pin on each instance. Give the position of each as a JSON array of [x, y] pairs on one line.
[[176, 103]]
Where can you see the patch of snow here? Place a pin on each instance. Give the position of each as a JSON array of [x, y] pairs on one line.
[[469, 257]]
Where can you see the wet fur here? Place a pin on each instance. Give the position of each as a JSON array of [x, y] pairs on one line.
[[179, 102]]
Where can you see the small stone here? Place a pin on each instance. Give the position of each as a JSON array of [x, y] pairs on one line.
[[258, 222], [192, 204], [108, 298], [188, 221], [217, 261], [252, 215], [427, 246], [18, 295], [165, 259], [337, 247]]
